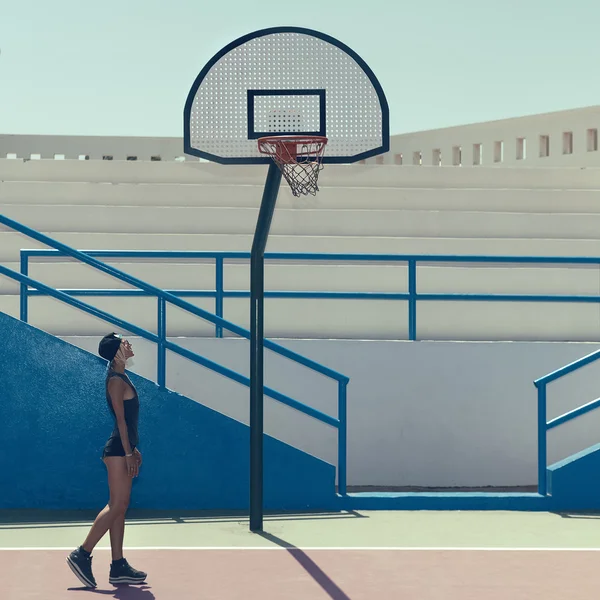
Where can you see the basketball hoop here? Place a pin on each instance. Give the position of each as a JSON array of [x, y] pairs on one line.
[[299, 159]]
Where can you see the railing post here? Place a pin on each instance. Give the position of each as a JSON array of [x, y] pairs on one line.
[[412, 299], [342, 437], [24, 288], [161, 376], [542, 433], [219, 293]]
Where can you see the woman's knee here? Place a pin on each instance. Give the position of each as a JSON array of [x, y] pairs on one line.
[[119, 505]]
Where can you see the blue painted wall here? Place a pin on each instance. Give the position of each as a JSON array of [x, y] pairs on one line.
[[54, 421], [573, 483]]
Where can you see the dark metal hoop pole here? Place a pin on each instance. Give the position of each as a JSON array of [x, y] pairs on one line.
[[257, 290]]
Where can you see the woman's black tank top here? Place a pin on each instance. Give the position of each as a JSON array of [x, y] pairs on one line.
[[131, 409]]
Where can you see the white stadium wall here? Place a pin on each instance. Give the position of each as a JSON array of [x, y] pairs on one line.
[[430, 414], [562, 138], [65, 147]]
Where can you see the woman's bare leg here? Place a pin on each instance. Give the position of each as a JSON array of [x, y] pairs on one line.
[[119, 484], [117, 532]]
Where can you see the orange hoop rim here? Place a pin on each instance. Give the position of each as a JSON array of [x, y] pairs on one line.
[[274, 139], [298, 157], [277, 142]]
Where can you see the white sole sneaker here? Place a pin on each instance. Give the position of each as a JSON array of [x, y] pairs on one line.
[[115, 580], [77, 571]]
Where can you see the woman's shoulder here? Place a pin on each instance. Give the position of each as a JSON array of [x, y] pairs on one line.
[[114, 376]]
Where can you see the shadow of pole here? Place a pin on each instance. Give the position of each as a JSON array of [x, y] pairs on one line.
[[13, 519], [579, 515], [328, 586]]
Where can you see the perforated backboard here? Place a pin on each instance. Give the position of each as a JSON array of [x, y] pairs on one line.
[[283, 81]]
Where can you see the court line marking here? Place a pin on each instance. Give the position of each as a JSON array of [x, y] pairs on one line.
[[314, 548]]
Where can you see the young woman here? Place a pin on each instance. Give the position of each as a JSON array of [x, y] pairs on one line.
[[122, 460]]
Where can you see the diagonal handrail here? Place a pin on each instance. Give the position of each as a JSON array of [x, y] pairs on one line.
[[172, 299], [574, 366], [163, 344], [147, 335], [544, 425]]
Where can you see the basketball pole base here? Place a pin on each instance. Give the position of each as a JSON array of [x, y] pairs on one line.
[[257, 291]]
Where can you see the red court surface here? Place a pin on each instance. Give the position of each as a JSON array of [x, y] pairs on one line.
[[320, 574]]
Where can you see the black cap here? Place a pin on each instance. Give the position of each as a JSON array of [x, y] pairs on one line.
[[109, 346]]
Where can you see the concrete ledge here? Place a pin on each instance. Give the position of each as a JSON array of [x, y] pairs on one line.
[[11, 243], [445, 501], [306, 222], [334, 277], [526, 200], [368, 176]]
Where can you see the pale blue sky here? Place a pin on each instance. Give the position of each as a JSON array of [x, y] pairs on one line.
[[124, 67]]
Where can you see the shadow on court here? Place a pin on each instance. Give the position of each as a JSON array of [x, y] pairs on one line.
[[47, 519], [579, 515], [309, 565], [124, 592]]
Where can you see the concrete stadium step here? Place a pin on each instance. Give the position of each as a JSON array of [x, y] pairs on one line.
[[334, 319], [201, 276], [321, 222], [339, 277], [333, 198], [290, 318], [140, 194], [11, 243], [366, 176]]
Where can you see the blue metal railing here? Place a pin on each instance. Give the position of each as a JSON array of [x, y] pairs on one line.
[[164, 344], [412, 296], [544, 425]]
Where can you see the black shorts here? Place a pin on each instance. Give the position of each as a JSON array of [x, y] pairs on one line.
[[114, 447]]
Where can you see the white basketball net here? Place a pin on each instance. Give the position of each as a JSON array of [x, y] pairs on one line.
[[298, 159]]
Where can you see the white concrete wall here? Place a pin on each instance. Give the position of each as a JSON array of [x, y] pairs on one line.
[[499, 144], [422, 414], [61, 147], [344, 176], [569, 142]]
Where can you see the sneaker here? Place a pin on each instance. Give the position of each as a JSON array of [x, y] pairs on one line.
[[81, 564], [122, 572]]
